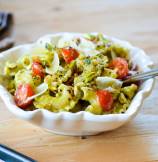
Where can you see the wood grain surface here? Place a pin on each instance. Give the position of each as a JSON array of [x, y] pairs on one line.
[[132, 20]]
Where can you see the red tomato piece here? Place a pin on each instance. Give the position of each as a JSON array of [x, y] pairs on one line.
[[37, 59], [37, 69], [22, 92], [105, 99], [121, 66], [69, 54]]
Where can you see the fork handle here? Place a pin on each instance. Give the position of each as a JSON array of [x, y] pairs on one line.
[[142, 76]]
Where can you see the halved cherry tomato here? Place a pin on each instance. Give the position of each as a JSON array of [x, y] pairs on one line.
[[69, 54], [105, 99], [37, 69], [121, 66], [22, 93], [36, 59]]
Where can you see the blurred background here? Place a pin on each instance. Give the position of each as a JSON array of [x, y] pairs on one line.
[[132, 20]]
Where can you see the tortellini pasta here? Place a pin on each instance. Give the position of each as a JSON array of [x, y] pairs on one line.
[[72, 71]]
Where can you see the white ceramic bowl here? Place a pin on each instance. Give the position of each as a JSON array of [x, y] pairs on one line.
[[81, 123]]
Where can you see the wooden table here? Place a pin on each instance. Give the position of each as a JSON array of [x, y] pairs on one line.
[[132, 20]]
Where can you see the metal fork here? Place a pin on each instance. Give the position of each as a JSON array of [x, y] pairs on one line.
[[142, 76]]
